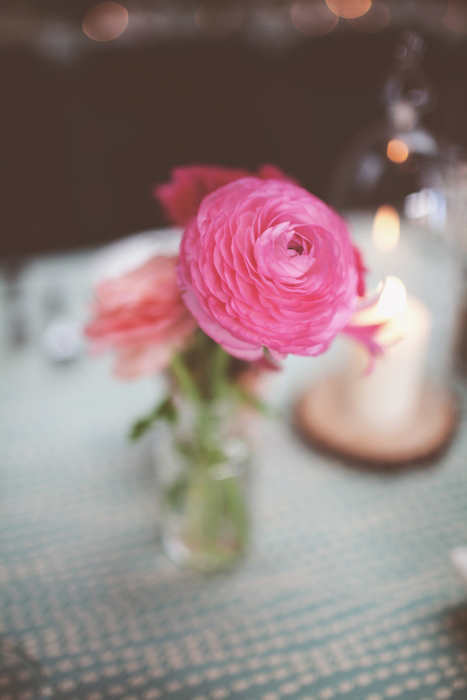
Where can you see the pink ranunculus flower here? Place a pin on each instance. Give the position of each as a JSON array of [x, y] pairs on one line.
[[268, 266], [181, 197], [141, 315]]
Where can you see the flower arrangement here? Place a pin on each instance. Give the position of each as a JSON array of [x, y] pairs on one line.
[[265, 269]]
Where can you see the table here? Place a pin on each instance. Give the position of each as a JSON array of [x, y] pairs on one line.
[[348, 592]]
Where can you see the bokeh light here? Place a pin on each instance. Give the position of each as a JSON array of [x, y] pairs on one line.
[[386, 228], [105, 21], [313, 17], [455, 16], [397, 151], [349, 9], [219, 21], [376, 19]]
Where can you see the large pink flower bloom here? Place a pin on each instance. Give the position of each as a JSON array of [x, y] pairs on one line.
[[142, 316], [266, 265], [181, 197]]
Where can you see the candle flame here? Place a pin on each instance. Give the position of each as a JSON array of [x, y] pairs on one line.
[[390, 303], [392, 298], [386, 228]]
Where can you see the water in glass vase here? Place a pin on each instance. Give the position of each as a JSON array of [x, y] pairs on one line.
[[203, 464]]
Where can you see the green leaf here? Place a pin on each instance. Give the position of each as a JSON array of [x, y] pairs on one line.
[[165, 410]]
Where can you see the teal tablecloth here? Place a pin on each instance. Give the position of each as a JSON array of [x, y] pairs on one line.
[[348, 592]]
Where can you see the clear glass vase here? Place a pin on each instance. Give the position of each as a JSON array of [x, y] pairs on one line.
[[202, 464]]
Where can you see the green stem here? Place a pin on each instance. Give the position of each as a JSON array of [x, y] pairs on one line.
[[219, 372], [217, 519], [184, 379]]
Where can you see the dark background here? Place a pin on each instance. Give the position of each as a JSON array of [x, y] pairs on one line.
[[86, 132]]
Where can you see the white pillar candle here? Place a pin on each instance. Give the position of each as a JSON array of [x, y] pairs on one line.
[[390, 395]]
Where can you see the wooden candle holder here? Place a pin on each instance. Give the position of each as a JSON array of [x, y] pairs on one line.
[[323, 419]]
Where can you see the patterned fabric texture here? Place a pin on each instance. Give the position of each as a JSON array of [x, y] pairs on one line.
[[347, 593]]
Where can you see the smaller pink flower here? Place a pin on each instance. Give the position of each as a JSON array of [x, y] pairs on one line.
[[141, 315], [181, 197]]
